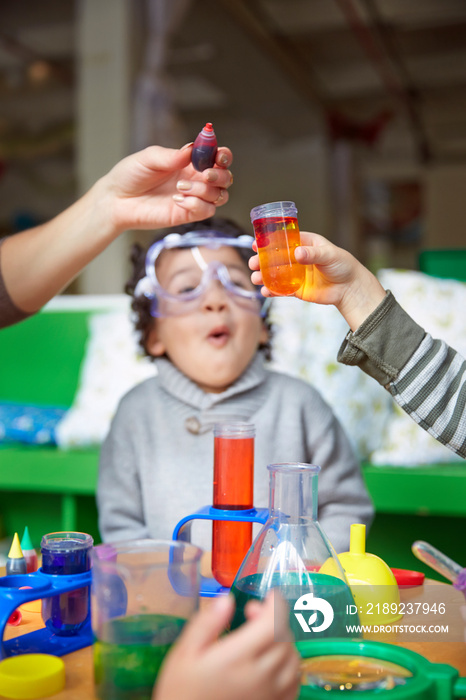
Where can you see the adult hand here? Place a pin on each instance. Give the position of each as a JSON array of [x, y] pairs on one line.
[[158, 187], [246, 663], [155, 188]]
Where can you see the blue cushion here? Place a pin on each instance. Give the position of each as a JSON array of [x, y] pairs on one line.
[[34, 425]]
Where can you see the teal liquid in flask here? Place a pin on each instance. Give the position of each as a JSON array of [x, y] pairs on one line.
[[293, 554]]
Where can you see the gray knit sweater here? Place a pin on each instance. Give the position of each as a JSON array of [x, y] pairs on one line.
[[156, 464]]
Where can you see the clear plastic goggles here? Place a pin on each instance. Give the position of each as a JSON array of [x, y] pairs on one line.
[[183, 294]]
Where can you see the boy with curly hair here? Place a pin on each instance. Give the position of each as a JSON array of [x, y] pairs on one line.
[[204, 323]]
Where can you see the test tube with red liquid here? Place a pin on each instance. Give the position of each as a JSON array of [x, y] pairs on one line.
[[277, 236], [233, 490]]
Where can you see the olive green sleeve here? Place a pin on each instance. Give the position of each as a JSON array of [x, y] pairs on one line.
[[384, 342]]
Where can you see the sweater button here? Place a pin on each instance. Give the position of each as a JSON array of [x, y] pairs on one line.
[[192, 425]]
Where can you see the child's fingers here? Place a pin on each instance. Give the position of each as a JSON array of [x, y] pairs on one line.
[[282, 664], [316, 255], [253, 609], [256, 278], [304, 255], [207, 625], [258, 634], [253, 261]]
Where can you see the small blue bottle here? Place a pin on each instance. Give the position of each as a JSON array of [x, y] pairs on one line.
[[65, 553]]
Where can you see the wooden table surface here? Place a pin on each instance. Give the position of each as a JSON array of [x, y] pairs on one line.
[[79, 664]]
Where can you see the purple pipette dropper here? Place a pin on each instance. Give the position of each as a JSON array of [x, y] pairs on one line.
[[441, 563], [204, 149]]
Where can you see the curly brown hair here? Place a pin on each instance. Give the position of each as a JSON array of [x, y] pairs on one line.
[[141, 305]]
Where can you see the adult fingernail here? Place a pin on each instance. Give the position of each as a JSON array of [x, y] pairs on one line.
[[231, 176], [223, 159], [184, 185], [219, 198], [211, 176], [178, 197], [186, 145]]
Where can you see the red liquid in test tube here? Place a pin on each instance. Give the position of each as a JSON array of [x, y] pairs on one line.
[[233, 490]]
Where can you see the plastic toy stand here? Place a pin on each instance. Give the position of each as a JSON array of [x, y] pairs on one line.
[[209, 586], [40, 585]]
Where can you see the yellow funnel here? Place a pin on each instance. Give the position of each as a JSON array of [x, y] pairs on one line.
[[371, 580]]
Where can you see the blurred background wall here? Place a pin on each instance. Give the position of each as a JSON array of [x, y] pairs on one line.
[[354, 109]]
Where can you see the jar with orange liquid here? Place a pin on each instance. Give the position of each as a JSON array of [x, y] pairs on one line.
[[277, 236], [233, 490]]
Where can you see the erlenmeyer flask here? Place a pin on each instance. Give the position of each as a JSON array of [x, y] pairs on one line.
[[288, 553]]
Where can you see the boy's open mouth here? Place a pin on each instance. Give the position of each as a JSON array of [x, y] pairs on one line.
[[219, 335]]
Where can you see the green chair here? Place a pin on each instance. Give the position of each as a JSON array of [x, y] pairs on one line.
[[40, 485], [449, 263]]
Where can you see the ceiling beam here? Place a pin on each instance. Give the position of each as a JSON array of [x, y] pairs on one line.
[[377, 42], [276, 45]]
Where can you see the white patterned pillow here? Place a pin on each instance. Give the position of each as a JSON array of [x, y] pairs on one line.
[[305, 344], [112, 365], [438, 306]]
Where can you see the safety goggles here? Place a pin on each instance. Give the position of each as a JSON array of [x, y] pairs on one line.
[[183, 293]]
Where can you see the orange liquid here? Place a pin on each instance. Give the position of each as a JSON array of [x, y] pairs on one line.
[[233, 490], [277, 238]]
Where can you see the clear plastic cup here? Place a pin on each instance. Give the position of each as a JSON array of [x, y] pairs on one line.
[[143, 593], [277, 236]]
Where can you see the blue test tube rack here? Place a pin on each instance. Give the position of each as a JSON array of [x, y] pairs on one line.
[[209, 587], [15, 590], [40, 585]]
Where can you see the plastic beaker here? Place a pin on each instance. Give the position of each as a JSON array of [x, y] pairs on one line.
[[288, 553], [233, 490], [143, 592], [65, 553], [277, 236]]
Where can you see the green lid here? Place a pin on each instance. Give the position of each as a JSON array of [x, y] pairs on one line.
[[26, 541]]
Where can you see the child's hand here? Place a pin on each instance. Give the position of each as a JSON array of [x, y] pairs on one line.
[[246, 663], [333, 276]]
